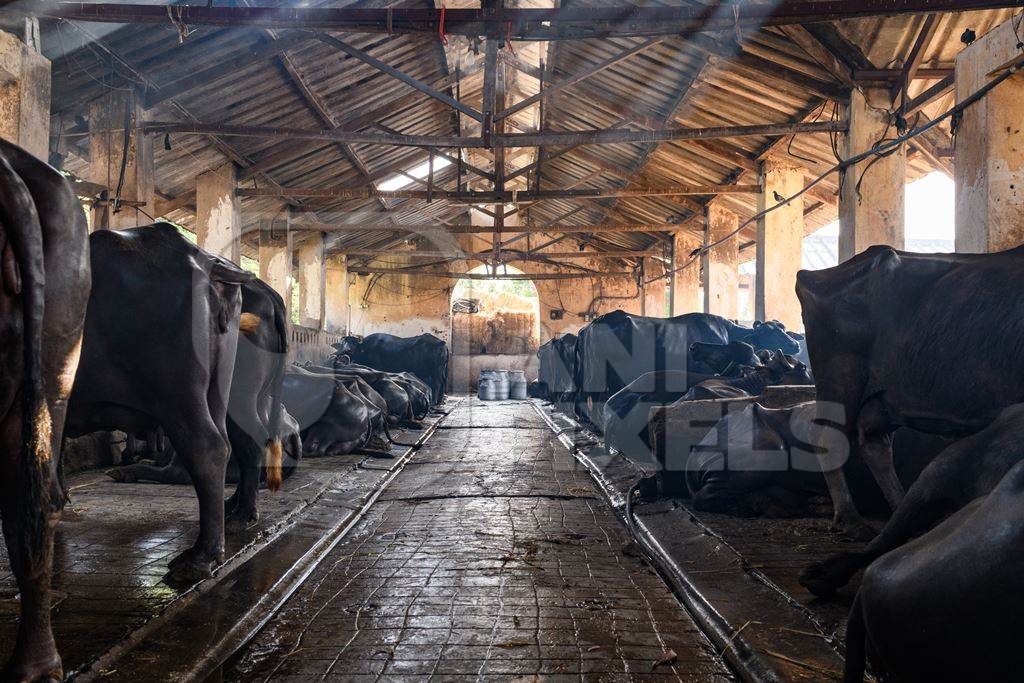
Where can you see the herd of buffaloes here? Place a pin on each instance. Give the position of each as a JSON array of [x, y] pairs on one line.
[[914, 364]]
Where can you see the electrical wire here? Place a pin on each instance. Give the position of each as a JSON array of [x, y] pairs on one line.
[[885, 148]]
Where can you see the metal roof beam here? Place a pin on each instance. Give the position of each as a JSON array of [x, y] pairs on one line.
[[516, 23]]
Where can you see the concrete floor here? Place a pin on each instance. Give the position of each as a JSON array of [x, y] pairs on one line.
[[490, 554]]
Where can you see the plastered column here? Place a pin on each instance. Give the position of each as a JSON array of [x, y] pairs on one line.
[[312, 272], [656, 293], [871, 203], [336, 294], [684, 292], [275, 254], [24, 94], [107, 118], [989, 169], [218, 224], [721, 274], [780, 238]]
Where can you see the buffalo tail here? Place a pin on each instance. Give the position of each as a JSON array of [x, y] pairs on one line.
[[25, 239], [274, 459]]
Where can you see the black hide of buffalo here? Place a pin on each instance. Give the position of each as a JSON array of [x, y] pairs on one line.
[[159, 348], [946, 606], [425, 356], [931, 341], [617, 348], [44, 287]]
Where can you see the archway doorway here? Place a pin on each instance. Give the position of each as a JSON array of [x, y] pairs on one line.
[[495, 326]]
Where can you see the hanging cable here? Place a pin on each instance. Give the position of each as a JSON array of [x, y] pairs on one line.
[[884, 148]]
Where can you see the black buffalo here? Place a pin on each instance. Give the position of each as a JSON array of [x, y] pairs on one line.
[[946, 606], [931, 341], [159, 349], [965, 470], [44, 287], [557, 368], [626, 415], [724, 359], [336, 416], [255, 417], [761, 461], [617, 348], [425, 356]]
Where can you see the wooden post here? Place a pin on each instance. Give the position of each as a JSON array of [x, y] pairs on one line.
[[780, 238], [989, 169], [25, 92], [871, 193], [218, 225], [107, 150], [275, 252], [721, 276], [684, 289]]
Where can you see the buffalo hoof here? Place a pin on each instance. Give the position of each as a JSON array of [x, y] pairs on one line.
[[41, 665], [121, 474], [190, 567], [237, 520], [825, 578]]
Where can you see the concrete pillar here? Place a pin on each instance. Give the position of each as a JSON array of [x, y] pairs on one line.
[[336, 294], [312, 273], [684, 288], [107, 118], [275, 253], [218, 224], [780, 237], [720, 272], [989, 169], [25, 92], [656, 293], [871, 204]]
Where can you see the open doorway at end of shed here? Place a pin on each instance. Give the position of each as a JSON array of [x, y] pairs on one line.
[[495, 326]]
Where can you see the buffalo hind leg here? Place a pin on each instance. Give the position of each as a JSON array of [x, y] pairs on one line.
[[240, 509], [35, 654], [204, 453], [846, 518], [876, 450]]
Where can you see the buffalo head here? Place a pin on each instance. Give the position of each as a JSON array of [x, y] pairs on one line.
[[772, 335]]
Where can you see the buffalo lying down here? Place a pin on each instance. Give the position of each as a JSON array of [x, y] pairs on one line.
[[617, 348], [946, 606], [761, 461], [626, 415], [425, 356], [965, 470], [151, 457], [44, 287]]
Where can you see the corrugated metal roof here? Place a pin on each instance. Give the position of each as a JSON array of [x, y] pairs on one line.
[[707, 81]]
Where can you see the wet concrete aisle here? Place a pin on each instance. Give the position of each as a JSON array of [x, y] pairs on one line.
[[490, 555]]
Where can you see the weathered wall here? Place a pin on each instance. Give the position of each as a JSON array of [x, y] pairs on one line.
[[408, 305]]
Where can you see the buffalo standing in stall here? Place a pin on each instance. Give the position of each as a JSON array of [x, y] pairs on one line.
[[160, 342], [256, 421], [944, 354], [425, 356], [44, 288]]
